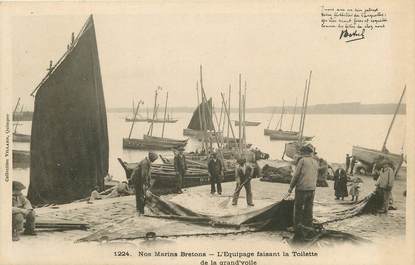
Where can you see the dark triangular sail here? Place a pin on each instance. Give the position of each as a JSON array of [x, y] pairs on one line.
[[203, 110], [69, 148]]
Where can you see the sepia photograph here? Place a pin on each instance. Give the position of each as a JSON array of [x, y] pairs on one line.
[[211, 133]]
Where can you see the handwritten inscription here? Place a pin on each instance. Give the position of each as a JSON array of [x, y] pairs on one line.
[[353, 23]]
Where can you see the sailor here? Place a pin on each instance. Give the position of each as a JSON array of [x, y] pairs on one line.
[[22, 212], [384, 185], [142, 181], [243, 175], [348, 157], [215, 169], [180, 167], [304, 180]]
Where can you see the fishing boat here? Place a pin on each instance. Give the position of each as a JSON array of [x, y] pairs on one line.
[[150, 142], [368, 157], [248, 123], [21, 138], [165, 175], [69, 143], [283, 136], [201, 119], [292, 149], [21, 158], [269, 132]]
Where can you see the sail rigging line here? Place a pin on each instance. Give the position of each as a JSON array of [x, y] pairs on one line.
[[68, 51], [302, 111], [393, 120], [279, 124], [272, 115]]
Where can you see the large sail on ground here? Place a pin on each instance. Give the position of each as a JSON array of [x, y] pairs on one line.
[[203, 110], [69, 148]]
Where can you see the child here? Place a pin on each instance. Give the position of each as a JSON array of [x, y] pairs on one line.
[[354, 189]]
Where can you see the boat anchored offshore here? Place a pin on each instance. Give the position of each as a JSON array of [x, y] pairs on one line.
[[150, 142]]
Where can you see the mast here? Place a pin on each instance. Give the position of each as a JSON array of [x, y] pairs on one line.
[[199, 112], [295, 109], [393, 120], [282, 116], [240, 115], [306, 105], [229, 111], [150, 130], [302, 111], [272, 115], [17, 105], [244, 118], [165, 113], [229, 118], [135, 115]]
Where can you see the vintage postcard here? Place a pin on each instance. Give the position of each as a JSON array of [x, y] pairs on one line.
[[207, 132]]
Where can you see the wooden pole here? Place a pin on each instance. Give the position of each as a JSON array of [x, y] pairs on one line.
[[229, 119], [229, 111], [306, 105], [199, 106], [240, 115], [17, 105], [393, 120], [135, 115], [150, 131], [165, 113], [295, 109], [302, 112], [220, 118], [244, 125], [279, 124]]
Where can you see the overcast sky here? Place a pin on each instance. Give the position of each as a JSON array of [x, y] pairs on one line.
[[273, 48]]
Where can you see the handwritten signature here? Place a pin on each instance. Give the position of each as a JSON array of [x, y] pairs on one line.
[[352, 36]]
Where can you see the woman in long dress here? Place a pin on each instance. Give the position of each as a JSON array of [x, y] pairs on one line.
[[340, 184]]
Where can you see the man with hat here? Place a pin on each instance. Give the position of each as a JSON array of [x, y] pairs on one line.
[[384, 184], [243, 174], [22, 210], [141, 178], [216, 172], [180, 167], [304, 180]]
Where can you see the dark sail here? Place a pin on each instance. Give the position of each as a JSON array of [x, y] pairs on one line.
[[204, 108], [69, 148]]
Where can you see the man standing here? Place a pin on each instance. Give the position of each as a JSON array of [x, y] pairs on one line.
[[216, 172], [304, 180], [141, 178], [347, 162], [180, 166], [384, 185], [243, 174], [21, 210]]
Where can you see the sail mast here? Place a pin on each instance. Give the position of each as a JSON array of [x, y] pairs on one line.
[[305, 107], [393, 120], [135, 115], [295, 109], [165, 113], [240, 115], [150, 130]]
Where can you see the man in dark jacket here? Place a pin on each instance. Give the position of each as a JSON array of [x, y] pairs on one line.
[[243, 175], [216, 173], [141, 178], [304, 180], [180, 167]]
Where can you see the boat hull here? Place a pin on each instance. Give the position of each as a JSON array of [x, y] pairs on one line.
[[22, 138], [269, 132], [142, 144], [248, 123], [149, 120], [197, 133], [369, 156], [164, 140], [288, 137]]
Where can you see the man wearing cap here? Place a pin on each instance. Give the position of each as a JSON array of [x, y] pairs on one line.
[[384, 185], [180, 167], [243, 174], [216, 172], [304, 180], [21, 210], [142, 181]]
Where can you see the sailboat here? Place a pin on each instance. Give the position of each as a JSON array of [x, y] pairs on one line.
[[202, 117], [169, 118], [368, 156], [150, 142], [69, 147], [248, 123], [282, 135], [19, 137], [135, 119], [292, 149]]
